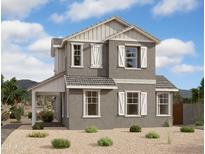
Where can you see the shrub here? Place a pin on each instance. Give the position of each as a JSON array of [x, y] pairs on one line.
[[135, 128], [38, 125], [5, 116], [29, 115], [105, 141], [38, 134], [12, 116], [187, 129], [59, 143], [18, 112], [48, 116], [91, 129], [199, 123], [152, 135]]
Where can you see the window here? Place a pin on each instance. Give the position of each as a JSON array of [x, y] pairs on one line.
[[91, 103], [77, 55], [132, 57], [163, 104], [132, 103]]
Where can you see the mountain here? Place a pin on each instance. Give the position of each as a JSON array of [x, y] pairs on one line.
[[25, 84], [185, 93]]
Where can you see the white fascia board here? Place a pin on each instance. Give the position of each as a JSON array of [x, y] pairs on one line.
[[135, 81], [167, 89], [91, 87]]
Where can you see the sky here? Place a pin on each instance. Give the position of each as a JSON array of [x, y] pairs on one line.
[[28, 26]]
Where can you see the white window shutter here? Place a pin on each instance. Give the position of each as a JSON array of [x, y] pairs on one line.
[[92, 56], [143, 57], [143, 103], [96, 55], [121, 103], [100, 56], [121, 56]]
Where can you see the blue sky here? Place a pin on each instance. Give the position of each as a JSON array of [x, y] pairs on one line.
[[28, 26]]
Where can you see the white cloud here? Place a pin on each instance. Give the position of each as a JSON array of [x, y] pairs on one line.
[[42, 45], [172, 51], [94, 8], [20, 56], [57, 18], [184, 68], [18, 31], [169, 7], [19, 9]]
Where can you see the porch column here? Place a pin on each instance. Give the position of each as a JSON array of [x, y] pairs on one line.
[[33, 108]]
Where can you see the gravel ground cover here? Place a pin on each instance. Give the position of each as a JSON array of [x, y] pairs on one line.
[[124, 142]]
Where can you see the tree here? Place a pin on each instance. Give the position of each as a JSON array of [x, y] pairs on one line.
[[11, 93], [198, 93], [201, 89], [195, 95]]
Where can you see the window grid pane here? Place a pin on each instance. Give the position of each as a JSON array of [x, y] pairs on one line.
[[132, 57], [163, 104], [77, 55], [91, 103], [132, 103]]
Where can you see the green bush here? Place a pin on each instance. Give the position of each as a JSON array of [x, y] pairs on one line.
[[152, 135], [29, 115], [47, 116], [5, 116], [38, 134], [135, 128], [199, 123], [105, 142], [12, 116], [91, 129], [18, 112], [59, 143], [187, 129], [38, 125]]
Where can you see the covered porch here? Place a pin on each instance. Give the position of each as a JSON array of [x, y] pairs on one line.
[[55, 87]]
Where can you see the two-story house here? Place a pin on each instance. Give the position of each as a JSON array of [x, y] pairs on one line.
[[105, 76]]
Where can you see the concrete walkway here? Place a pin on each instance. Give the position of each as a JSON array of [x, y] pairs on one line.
[[7, 130]]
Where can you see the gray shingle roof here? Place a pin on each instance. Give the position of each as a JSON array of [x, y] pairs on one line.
[[163, 82], [88, 81]]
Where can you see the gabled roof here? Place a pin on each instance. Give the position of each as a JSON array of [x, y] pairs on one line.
[[98, 24], [55, 43], [149, 36], [164, 83]]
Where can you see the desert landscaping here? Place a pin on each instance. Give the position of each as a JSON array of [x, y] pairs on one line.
[[171, 141]]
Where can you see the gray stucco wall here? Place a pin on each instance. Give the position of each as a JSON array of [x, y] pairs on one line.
[[109, 110], [117, 72], [192, 112], [87, 71]]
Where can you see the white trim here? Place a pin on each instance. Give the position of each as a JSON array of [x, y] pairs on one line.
[[86, 41], [84, 107], [169, 104], [166, 89], [133, 45], [139, 106], [133, 68], [72, 55], [135, 81], [125, 30], [138, 30], [91, 87], [132, 40]]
